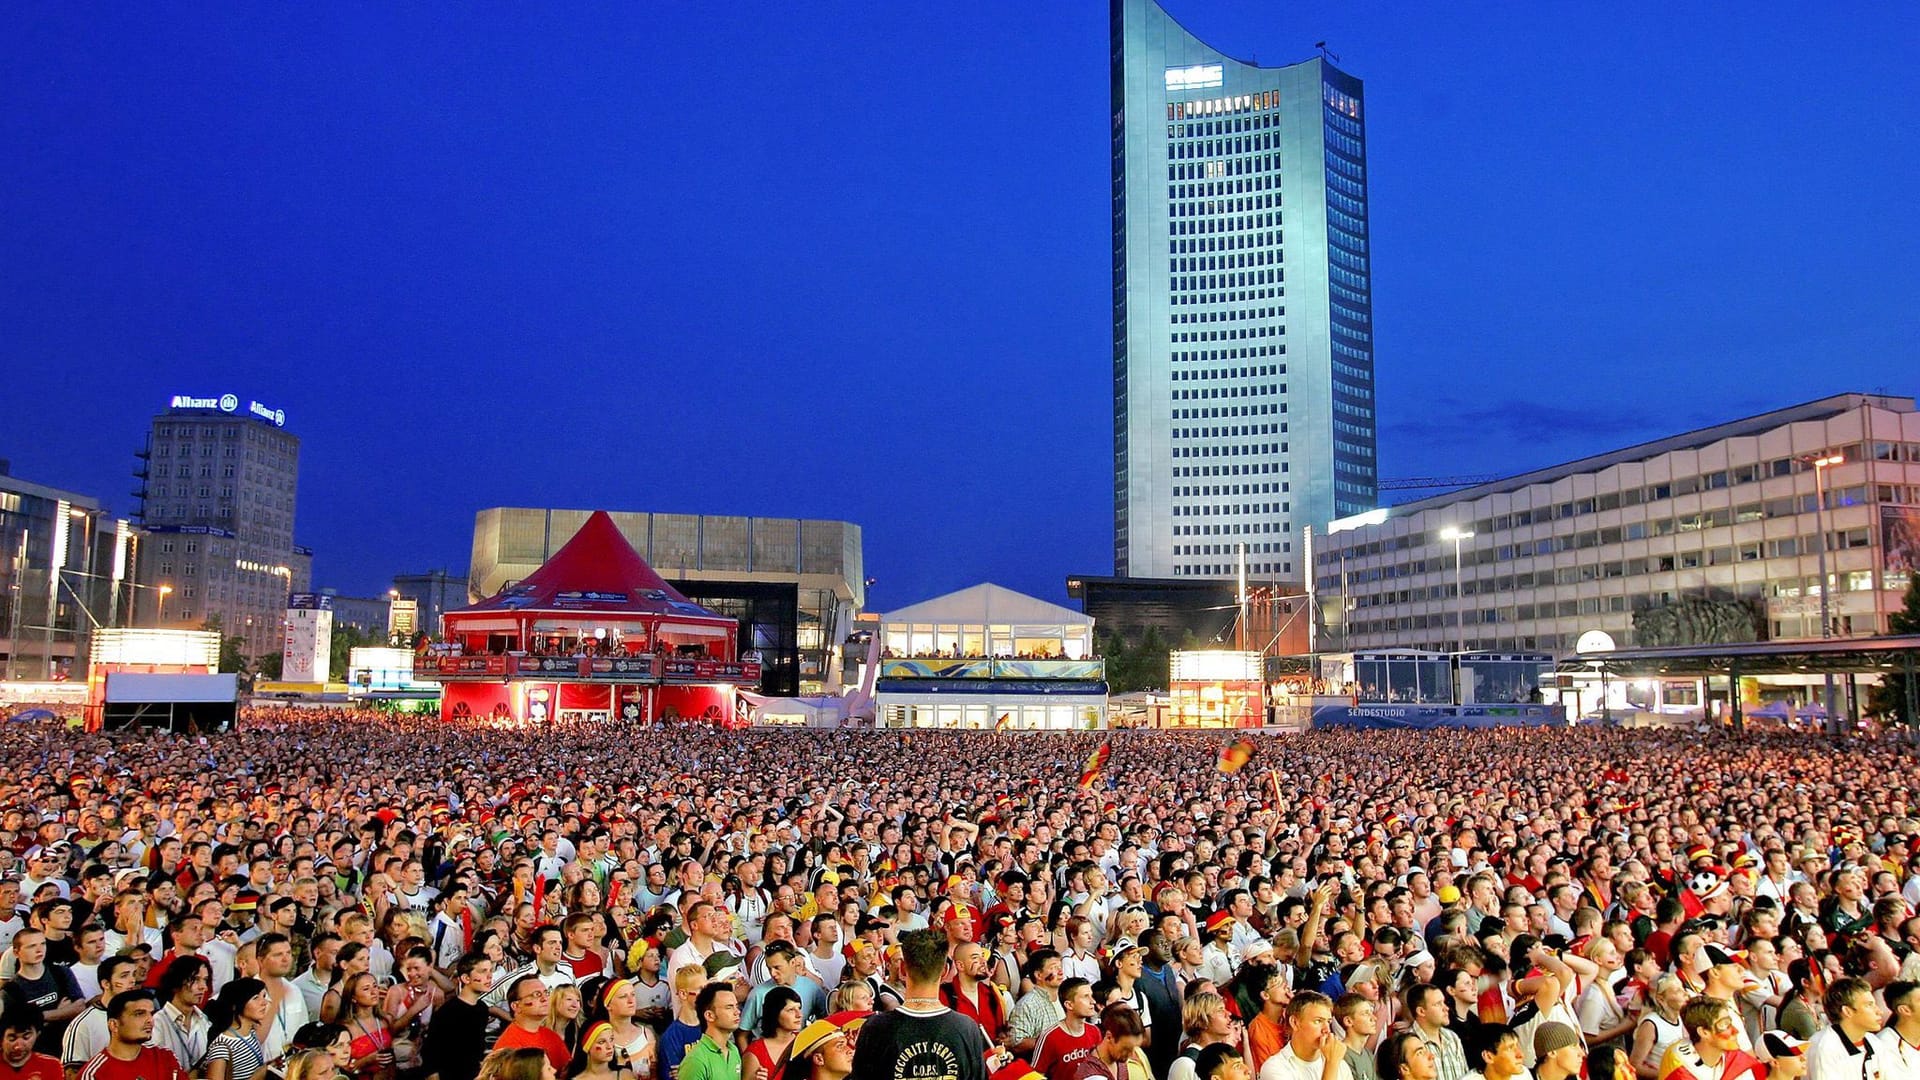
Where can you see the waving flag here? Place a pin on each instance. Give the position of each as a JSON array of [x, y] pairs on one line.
[[1234, 756], [1004, 723], [1096, 764]]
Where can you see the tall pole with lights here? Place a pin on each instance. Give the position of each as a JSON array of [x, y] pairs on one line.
[[1459, 595], [1820, 467]]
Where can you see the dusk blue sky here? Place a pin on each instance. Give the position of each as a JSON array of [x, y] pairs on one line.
[[852, 260]]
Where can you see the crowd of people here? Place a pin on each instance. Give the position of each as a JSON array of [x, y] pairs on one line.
[[338, 896]]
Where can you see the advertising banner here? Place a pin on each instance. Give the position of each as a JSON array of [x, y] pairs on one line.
[[937, 668], [711, 671], [1049, 669], [459, 665], [1899, 539]]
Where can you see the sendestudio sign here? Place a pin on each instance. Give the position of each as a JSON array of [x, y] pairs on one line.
[[229, 403]]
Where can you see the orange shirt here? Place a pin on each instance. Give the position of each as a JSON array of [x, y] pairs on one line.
[[1264, 1039], [540, 1038]]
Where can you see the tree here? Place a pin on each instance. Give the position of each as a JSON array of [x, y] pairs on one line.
[[1889, 699], [268, 665], [347, 638], [233, 656]]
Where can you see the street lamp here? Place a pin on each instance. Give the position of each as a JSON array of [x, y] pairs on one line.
[[1460, 596], [1820, 466], [162, 616]]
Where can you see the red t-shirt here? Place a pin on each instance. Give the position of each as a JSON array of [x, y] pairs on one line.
[[153, 1063], [1058, 1051], [585, 967], [1659, 943], [38, 1067]]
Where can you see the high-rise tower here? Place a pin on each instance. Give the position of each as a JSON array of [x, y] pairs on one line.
[[1243, 405]]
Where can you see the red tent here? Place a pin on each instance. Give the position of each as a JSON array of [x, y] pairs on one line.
[[596, 576]]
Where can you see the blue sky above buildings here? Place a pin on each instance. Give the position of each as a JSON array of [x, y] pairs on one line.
[[853, 262]]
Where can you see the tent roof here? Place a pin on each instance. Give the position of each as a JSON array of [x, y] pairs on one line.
[[596, 572], [989, 603]]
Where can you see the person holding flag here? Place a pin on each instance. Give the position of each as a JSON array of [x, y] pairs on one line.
[[1096, 764]]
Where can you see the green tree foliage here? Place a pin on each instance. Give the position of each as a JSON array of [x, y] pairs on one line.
[[1889, 699], [345, 640], [1136, 666]]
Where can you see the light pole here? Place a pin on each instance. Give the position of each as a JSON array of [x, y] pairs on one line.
[[161, 617], [1459, 595], [1820, 465]]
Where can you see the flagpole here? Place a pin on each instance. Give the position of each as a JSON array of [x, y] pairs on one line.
[[1240, 638]]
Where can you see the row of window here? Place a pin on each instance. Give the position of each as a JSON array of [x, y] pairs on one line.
[[1715, 480], [1225, 451], [1264, 547], [1258, 468], [1224, 569], [1232, 431], [1245, 352], [1783, 547], [1191, 317], [1240, 105]]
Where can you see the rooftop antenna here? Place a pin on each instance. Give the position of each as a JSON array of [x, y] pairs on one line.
[[1324, 54]]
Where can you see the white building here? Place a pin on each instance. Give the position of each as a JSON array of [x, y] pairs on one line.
[[990, 658], [1725, 515]]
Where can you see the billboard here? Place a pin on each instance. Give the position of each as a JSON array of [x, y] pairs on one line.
[[1899, 539]]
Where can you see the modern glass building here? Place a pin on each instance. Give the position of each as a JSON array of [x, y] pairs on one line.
[[1243, 404], [63, 572]]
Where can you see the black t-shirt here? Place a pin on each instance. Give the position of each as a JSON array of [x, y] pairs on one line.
[[456, 1040], [54, 985], [936, 1045]]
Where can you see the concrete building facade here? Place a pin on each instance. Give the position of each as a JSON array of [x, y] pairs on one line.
[[220, 481], [1694, 527]]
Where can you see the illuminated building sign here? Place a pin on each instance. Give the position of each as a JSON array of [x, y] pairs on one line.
[[229, 403], [1197, 77]]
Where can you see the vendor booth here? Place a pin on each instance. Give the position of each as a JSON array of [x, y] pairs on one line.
[[593, 634]]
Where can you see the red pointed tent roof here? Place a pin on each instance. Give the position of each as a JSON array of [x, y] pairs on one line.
[[599, 572]]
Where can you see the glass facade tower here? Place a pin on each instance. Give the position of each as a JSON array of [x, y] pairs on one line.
[[1243, 389]]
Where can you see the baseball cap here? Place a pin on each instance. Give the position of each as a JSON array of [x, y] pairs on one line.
[[1781, 1044], [1448, 894], [720, 962]]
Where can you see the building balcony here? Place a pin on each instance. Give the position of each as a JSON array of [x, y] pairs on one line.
[[983, 668], [629, 669]]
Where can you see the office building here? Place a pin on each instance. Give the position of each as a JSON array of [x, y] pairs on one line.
[[63, 572], [367, 615], [1243, 366], [794, 586], [219, 484], [434, 593], [1713, 534]]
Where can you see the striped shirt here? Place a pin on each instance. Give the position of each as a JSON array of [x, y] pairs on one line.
[[86, 1036], [496, 998], [240, 1052]]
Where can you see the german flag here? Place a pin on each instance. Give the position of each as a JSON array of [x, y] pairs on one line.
[[1004, 723], [1096, 764], [1234, 756]]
